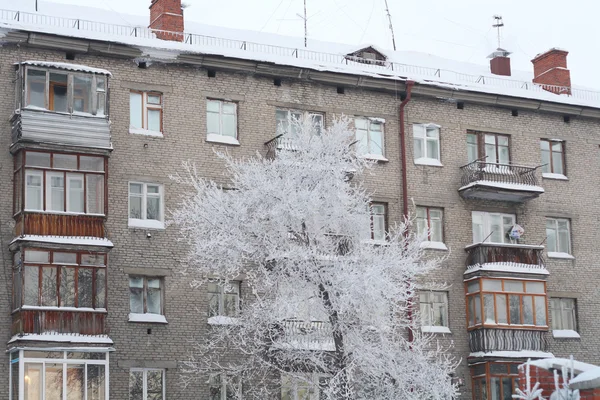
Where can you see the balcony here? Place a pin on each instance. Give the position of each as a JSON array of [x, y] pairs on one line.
[[59, 225], [489, 340], [505, 257], [39, 321], [501, 182], [279, 142], [303, 335]]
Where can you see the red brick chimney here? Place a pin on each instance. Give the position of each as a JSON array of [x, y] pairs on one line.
[[166, 16], [499, 62], [550, 68]]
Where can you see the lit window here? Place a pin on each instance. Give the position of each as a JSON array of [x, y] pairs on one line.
[[558, 235], [224, 387], [553, 156], [426, 143], [369, 135], [430, 224], [145, 111], [223, 300], [564, 313], [434, 308], [146, 384], [378, 221], [145, 295], [221, 119], [303, 386], [491, 227], [146, 205]]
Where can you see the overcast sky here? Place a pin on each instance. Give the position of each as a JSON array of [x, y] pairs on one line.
[[456, 29]]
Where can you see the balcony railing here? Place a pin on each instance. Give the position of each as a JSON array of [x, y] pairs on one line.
[[305, 335], [488, 340], [60, 225], [55, 321], [279, 142], [487, 253]]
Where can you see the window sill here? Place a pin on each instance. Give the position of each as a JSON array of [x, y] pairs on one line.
[[64, 309], [146, 224], [435, 329], [374, 242], [222, 320], [559, 177], [433, 245], [431, 162], [565, 334], [565, 256], [374, 157], [77, 113], [211, 137], [148, 318], [145, 132]]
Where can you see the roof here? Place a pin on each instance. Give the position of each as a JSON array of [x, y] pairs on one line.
[[424, 69], [66, 66]]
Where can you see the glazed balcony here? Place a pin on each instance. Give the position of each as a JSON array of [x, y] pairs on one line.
[[39, 321], [489, 340], [501, 182], [505, 255]]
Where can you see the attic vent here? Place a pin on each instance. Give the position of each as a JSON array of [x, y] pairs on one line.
[[368, 55]]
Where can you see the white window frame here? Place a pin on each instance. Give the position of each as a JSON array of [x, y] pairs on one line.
[[219, 136], [146, 106], [487, 225], [373, 216], [144, 222], [368, 152], [428, 220], [221, 299], [71, 177], [420, 134], [224, 384], [428, 306], [558, 253], [300, 116], [145, 380], [49, 176], [40, 174], [313, 378], [559, 324]]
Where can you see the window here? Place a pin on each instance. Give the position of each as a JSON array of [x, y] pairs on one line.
[[500, 377], [369, 134], [434, 308], [146, 205], [491, 147], [286, 121], [145, 295], [491, 227], [223, 300], [427, 144], [224, 387], [558, 236], [303, 386], [145, 112], [564, 313], [80, 374], [553, 157], [60, 183], [60, 279], [146, 384], [494, 302], [221, 121], [430, 224], [378, 221], [66, 92]]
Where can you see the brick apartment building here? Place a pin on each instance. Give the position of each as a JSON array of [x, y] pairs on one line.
[[497, 165]]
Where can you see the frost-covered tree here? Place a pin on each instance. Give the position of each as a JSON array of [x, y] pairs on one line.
[[530, 393], [325, 308]]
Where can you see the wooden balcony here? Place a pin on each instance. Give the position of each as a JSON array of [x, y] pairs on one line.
[[495, 253], [56, 321], [60, 225], [487, 340], [501, 182]]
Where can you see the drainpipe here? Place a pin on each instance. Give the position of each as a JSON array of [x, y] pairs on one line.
[[409, 86]]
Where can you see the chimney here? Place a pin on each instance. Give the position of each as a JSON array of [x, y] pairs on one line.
[[550, 71], [166, 17], [499, 62]]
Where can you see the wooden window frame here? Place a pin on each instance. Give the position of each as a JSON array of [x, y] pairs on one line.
[[480, 135], [223, 384], [370, 121], [570, 242], [428, 221], [481, 292], [145, 381], [146, 106], [145, 279], [221, 298], [432, 302], [574, 313], [59, 266], [487, 377], [385, 219], [551, 154]]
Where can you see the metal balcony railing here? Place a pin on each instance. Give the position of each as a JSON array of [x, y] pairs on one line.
[[306, 335], [484, 253], [487, 340], [509, 174]]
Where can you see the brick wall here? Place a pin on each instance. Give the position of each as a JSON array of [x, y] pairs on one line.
[[167, 15], [546, 381], [550, 68]]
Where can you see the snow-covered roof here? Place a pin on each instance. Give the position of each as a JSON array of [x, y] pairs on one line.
[[558, 363], [62, 338], [68, 67], [72, 240], [424, 69], [586, 380], [513, 354], [511, 267]]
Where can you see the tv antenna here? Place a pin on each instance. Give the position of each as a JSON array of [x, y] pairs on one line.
[[305, 19], [387, 10], [498, 25]]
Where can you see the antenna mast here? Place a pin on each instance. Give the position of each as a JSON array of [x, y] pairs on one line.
[[305, 23], [498, 25], [387, 10]]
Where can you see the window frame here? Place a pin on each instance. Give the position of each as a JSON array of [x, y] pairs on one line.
[[224, 384], [144, 222], [486, 226], [561, 309], [146, 106], [372, 217], [145, 279], [289, 119], [486, 377], [431, 303], [220, 134], [428, 223], [292, 384], [221, 299], [145, 381], [552, 154], [480, 136], [556, 221], [479, 300], [420, 134], [369, 153]]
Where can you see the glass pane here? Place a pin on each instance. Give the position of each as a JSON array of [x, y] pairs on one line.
[[490, 152], [58, 92], [84, 287], [498, 369], [64, 161], [495, 388], [477, 309], [564, 238], [37, 256], [154, 298], [493, 285], [213, 123], [436, 230], [515, 309], [557, 147], [546, 166], [32, 387], [433, 149], [544, 145], [507, 389], [75, 382], [540, 310], [229, 126], [360, 123], [135, 110], [230, 304], [501, 309], [92, 259], [503, 141], [95, 382], [535, 287], [67, 287], [100, 83], [155, 385], [136, 385], [154, 120], [378, 227], [153, 210], [228, 108], [49, 282], [153, 99], [473, 286], [100, 288], [213, 106], [376, 143], [36, 88], [528, 310], [136, 295], [135, 207], [557, 164], [488, 306], [101, 104], [82, 93], [91, 163], [496, 228], [490, 139], [471, 152], [471, 308], [75, 199], [56, 199], [36, 159], [551, 242], [213, 304], [95, 194], [503, 155], [54, 382], [513, 286], [362, 147], [418, 148], [31, 291]]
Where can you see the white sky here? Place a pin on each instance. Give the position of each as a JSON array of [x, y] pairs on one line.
[[455, 29]]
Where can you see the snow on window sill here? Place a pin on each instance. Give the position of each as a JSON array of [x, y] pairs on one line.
[[32, 210], [555, 254], [565, 334], [223, 320], [145, 132], [435, 329], [146, 223], [374, 157], [376, 242], [432, 162], [148, 318], [433, 245], [66, 309], [549, 175], [212, 137]]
